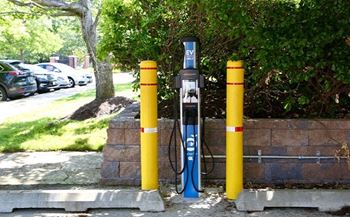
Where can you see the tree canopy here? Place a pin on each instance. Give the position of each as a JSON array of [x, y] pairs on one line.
[[69, 31], [88, 15], [25, 36], [31, 36]]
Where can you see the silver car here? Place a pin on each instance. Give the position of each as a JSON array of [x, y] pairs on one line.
[[61, 80], [74, 77]]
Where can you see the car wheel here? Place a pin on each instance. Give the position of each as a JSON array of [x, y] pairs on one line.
[[3, 94], [43, 91], [71, 82]]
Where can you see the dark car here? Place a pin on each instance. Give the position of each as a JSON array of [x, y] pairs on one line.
[[46, 80], [15, 83]]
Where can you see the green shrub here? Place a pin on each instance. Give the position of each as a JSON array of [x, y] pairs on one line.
[[296, 55], [298, 58]]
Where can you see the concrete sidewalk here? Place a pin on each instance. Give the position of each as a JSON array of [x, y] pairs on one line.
[[81, 170], [211, 204], [176, 211], [50, 168]]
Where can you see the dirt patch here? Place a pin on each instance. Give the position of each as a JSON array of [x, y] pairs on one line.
[[99, 107]]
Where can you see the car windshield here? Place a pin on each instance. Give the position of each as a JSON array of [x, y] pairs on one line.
[[19, 66]]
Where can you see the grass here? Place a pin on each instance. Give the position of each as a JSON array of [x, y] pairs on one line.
[[50, 134], [46, 129]]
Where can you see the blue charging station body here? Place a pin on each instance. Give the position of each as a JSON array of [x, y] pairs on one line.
[[191, 175], [190, 121]]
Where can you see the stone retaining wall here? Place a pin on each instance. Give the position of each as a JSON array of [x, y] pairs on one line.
[[291, 137]]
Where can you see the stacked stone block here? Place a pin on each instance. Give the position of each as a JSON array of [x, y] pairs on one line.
[[287, 137]]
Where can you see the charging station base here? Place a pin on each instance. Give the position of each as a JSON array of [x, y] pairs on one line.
[[322, 199], [81, 200]]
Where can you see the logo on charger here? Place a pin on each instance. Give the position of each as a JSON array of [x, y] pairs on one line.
[[190, 148], [190, 54]]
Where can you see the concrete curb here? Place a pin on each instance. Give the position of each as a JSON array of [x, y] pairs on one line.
[[81, 200], [324, 200]]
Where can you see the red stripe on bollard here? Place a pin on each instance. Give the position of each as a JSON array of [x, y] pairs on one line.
[[148, 84], [234, 83], [234, 67], [148, 68]]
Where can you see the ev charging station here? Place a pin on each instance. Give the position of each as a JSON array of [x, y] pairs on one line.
[[189, 81]]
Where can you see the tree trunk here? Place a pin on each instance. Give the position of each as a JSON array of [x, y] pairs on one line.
[[104, 85], [102, 70], [83, 10], [21, 53]]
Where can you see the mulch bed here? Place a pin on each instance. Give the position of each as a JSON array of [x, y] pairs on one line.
[[99, 107]]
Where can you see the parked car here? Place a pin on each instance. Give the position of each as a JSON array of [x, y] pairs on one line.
[[89, 76], [62, 80], [45, 80], [15, 83], [75, 78]]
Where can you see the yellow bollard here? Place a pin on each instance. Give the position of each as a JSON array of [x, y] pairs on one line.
[[149, 122], [234, 129]]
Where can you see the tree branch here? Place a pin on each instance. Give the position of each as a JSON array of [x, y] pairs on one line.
[[21, 3], [63, 13], [15, 12], [73, 8], [97, 17]]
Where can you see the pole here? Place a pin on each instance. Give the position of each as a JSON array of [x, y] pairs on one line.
[[149, 122], [234, 129]]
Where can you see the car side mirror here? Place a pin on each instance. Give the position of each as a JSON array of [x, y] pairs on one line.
[[56, 70]]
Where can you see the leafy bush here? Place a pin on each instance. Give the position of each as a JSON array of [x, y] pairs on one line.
[[298, 58], [296, 52]]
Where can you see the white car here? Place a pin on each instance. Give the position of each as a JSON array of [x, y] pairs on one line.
[[74, 77], [61, 80]]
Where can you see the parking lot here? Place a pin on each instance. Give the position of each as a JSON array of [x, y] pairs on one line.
[[15, 107]]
